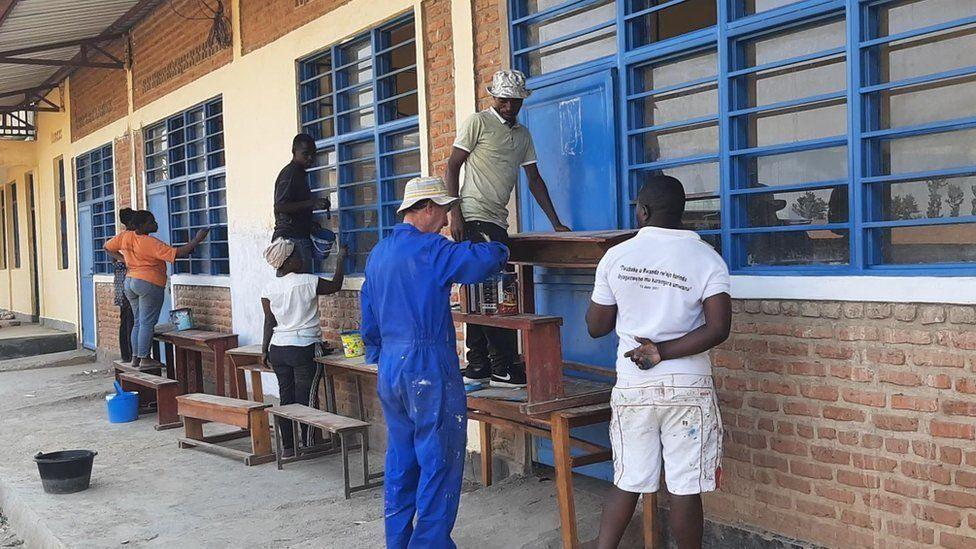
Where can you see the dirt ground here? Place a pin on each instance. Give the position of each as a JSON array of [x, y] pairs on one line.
[[146, 492]]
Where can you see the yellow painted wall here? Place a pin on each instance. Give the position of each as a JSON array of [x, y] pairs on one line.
[[17, 159], [59, 287]]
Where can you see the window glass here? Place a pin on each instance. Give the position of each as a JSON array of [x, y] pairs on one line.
[[955, 243], [94, 171], [796, 248], [669, 22]]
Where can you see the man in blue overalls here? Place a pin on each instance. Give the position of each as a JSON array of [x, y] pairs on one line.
[[409, 333]]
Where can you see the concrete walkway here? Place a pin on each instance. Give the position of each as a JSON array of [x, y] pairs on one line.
[[146, 492]]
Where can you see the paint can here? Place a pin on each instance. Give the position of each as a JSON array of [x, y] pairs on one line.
[[352, 344], [182, 319]]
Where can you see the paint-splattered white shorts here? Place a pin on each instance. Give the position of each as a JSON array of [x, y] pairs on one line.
[[676, 418]]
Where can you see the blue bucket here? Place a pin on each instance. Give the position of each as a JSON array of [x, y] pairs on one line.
[[123, 406], [323, 240]]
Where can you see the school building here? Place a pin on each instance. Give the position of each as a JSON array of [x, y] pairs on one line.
[[828, 149]]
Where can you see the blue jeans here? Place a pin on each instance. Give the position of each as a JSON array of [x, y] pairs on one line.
[[146, 300]]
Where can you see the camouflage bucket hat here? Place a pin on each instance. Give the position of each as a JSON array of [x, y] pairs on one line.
[[509, 85]]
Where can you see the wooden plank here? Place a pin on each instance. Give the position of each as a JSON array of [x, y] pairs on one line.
[[570, 401], [649, 516], [572, 249], [193, 428], [147, 380], [564, 482], [253, 350], [199, 336], [484, 431], [317, 418], [353, 365], [220, 402], [260, 434], [608, 373], [521, 321], [589, 459], [543, 363], [507, 410]]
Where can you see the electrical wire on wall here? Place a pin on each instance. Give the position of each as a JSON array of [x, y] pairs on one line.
[[220, 31]]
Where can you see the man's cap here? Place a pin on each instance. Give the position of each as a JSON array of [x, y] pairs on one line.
[[509, 84], [426, 188]]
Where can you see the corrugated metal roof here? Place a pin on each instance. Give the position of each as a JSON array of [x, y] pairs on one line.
[[38, 22]]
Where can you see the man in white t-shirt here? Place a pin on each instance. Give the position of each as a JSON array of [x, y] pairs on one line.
[[666, 292]]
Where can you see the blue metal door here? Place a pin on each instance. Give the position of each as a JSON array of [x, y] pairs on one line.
[[159, 206], [86, 271], [574, 130]]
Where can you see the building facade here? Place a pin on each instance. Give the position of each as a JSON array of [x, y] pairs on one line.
[[826, 147]]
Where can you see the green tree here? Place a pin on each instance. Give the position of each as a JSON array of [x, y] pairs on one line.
[[935, 197], [810, 206], [955, 199], [904, 207]]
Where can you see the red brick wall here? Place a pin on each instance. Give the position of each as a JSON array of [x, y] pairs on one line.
[[107, 318], [439, 78], [169, 51], [211, 311], [850, 423], [264, 21], [487, 47], [98, 96]]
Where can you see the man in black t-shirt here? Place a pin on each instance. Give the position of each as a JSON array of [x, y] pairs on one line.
[[293, 201]]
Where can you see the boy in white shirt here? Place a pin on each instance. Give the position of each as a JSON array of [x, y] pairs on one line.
[[292, 327], [666, 292]]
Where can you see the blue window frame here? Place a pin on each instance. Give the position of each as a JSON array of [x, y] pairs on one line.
[[813, 136], [359, 100], [94, 172], [3, 228], [62, 216], [185, 154]]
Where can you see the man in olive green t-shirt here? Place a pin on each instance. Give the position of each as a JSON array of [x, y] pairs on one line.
[[492, 145]]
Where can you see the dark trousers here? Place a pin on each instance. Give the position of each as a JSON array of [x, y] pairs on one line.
[[294, 367], [126, 322], [488, 346]]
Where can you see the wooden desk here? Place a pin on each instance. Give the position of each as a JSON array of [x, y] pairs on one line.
[[194, 343], [247, 358], [357, 367]]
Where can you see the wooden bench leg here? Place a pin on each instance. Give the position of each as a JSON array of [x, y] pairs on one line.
[[257, 389], [649, 505], [279, 445], [193, 428], [182, 371], [198, 372], [564, 481], [359, 398], [260, 439], [240, 386], [484, 429], [170, 360], [166, 410], [344, 444]]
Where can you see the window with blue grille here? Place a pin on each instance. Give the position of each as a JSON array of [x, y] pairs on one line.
[[94, 172], [812, 136], [358, 99], [185, 153]]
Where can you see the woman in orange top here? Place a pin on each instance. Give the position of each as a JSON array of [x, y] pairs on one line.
[[145, 284]]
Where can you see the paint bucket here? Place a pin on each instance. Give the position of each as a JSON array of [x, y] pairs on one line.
[[65, 472], [352, 344], [123, 406], [182, 319], [323, 240]]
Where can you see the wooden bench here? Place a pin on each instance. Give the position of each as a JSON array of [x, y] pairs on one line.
[[251, 417], [247, 359], [146, 367], [158, 389], [338, 427]]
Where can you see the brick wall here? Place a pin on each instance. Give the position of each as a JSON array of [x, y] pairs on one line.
[[98, 96], [169, 50], [211, 311], [850, 423], [122, 157], [107, 318], [487, 47], [264, 21], [439, 82]]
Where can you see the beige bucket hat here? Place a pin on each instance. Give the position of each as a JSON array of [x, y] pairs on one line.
[[426, 188], [509, 84]]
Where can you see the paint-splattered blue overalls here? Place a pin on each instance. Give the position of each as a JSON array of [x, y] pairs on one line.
[[408, 332]]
